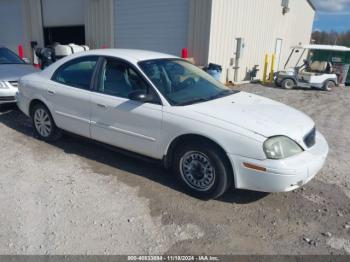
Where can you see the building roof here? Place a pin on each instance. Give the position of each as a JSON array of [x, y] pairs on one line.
[[323, 47], [311, 4]]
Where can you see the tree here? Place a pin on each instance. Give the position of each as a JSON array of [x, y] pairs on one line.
[[331, 38]]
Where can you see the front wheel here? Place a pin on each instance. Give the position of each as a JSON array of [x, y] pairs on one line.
[[202, 169], [43, 123], [288, 83], [328, 86]]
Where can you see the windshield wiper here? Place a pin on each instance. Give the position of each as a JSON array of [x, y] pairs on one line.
[[221, 94], [196, 100]]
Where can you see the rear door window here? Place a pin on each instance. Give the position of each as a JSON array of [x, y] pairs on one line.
[[77, 73]]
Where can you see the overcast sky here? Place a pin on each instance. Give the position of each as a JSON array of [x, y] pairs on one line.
[[332, 15]]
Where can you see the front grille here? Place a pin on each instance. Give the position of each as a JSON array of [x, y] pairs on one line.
[[7, 98], [310, 138], [14, 83]]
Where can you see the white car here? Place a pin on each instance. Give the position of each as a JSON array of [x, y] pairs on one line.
[[163, 107]]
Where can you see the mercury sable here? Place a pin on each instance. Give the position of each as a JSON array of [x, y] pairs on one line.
[[163, 107]]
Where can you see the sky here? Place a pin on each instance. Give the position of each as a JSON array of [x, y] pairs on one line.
[[332, 15]]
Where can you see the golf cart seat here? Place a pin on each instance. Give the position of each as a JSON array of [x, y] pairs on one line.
[[318, 68]]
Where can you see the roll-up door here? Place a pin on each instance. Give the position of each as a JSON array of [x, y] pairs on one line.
[[158, 25]]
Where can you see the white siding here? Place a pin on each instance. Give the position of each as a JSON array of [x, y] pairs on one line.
[[159, 25], [11, 24], [260, 23]]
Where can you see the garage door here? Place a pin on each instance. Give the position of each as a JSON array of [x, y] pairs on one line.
[[159, 25], [11, 24], [63, 12], [63, 21]]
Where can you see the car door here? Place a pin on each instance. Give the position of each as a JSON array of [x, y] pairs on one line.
[[119, 121], [69, 94]]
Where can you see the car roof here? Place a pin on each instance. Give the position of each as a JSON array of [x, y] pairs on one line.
[[133, 55]]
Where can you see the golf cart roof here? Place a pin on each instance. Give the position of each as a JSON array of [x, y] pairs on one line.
[[323, 47]]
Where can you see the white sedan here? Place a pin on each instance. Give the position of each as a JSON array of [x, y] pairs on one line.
[[163, 107]]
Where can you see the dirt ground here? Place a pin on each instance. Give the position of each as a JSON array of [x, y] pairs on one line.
[[76, 197]]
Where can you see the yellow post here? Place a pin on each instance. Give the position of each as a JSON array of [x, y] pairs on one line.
[[266, 64], [272, 72]]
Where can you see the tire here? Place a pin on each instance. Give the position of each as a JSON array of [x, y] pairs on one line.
[[277, 83], [44, 125], [202, 169], [288, 83], [328, 85]]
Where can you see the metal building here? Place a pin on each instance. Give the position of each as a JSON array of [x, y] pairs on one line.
[[212, 30]]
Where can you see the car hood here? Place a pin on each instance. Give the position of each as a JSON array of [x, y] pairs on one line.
[[13, 72], [260, 115]]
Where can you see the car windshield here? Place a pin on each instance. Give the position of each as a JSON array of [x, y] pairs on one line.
[[8, 57], [182, 83]]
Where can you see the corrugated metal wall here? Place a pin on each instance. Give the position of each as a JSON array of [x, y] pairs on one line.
[[199, 30], [11, 24], [33, 28], [260, 23], [99, 27]]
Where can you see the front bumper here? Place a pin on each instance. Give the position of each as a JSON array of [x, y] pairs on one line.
[[281, 175], [8, 96]]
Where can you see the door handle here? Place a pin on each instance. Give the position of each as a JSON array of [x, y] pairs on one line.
[[50, 92], [102, 105]]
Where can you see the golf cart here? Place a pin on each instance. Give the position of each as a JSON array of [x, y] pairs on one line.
[[316, 71]]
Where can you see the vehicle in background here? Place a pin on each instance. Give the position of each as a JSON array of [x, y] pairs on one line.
[[163, 107], [50, 54], [12, 68], [318, 74]]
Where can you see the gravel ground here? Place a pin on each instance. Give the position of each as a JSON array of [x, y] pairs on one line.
[[77, 197]]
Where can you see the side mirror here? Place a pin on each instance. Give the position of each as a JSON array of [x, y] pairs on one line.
[[26, 60], [141, 96]]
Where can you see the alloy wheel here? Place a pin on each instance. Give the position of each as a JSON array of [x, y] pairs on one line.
[[42, 122]]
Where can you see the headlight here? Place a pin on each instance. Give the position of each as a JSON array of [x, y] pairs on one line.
[[280, 147], [4, 85]]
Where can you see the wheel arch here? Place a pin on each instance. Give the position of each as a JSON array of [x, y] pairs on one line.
[[190, 138], [35, 102], [330, 80]]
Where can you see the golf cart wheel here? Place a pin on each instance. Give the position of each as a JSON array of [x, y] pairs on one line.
[[288, 83], [278, 84], [328, 86]]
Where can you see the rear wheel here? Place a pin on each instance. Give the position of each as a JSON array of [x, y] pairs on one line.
[[288, 83], [328, 86], [202, 169], [44, 125]]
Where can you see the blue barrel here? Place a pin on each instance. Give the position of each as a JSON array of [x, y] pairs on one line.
[[214, 70]]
